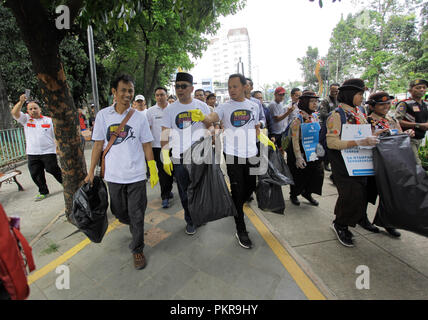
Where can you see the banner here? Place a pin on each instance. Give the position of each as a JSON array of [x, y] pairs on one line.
[[310, 139], [358, 160]]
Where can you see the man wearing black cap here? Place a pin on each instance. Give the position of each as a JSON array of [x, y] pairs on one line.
[[413, 113], [177, 123]]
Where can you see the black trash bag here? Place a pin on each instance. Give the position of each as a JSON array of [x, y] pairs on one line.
[[270, 198], [208, 196], [278, 172], [89, 212], [402, 185]]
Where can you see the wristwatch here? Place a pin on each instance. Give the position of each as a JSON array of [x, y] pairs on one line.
[[417, 126]]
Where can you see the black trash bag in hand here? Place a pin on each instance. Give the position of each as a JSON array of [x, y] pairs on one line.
[[402, 185], [270, 198], [278, 172], [89, 212], [208, 196]]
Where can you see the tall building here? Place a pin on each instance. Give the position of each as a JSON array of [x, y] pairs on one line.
[[223, 55]]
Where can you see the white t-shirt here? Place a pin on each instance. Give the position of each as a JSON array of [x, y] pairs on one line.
[[155, 116], [239, 120], [125, 162], [184, 132], [39, 134]]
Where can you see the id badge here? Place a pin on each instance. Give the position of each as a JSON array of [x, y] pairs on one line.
[[416, 109]]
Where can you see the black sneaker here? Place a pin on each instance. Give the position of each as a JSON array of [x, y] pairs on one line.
[[190, 229], [244, 240], [294, 200], [342, 235], [311, 200], [393, 232], [365, 224]]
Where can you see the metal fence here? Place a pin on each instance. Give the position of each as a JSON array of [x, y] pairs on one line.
[[12, 146]]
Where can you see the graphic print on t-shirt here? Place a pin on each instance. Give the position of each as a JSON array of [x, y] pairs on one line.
[[126, 133], [241, 117], [183, 120]]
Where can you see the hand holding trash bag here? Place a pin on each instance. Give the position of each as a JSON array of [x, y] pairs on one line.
[[89, 211], [300, 162], [369, 141]]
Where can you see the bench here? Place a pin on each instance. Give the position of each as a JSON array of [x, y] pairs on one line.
[[8, 175]]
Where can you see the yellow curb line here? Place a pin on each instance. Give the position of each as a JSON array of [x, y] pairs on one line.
[[302, 280], [67, 255]]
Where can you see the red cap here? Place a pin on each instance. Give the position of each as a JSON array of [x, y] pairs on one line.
[[279, 90]]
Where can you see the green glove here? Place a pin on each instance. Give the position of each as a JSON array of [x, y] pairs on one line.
[[197, 115], [266, 141], [154, 178], [167, 164]]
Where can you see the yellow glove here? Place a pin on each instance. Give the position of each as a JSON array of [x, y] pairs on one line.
[[197, 115], [167, 164], [154, 178], [266, 141]]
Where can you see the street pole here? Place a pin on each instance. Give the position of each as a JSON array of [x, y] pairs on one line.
[[93, 69]]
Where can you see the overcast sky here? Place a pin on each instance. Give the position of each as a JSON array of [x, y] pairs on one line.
[[280, 32]]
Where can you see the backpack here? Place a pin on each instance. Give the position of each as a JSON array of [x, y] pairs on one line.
[[12, 264], [286, 136], [323, 131]]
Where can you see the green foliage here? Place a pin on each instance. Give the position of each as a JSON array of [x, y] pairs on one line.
[[381, 44]]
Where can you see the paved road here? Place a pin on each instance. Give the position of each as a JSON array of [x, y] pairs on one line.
[[296, 255]]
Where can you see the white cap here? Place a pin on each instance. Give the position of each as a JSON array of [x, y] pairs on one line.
[[139, 97]]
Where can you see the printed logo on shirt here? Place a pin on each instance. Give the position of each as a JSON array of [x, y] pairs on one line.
[[126, 133], [183, 120], [240, 118]]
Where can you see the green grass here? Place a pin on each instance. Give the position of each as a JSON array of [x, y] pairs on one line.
[[53, 247]]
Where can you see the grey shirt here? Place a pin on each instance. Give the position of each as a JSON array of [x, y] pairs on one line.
[[327, 106], [277, 109], [262, 117]]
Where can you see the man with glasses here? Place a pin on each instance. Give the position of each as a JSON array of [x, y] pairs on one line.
[[177, 123]]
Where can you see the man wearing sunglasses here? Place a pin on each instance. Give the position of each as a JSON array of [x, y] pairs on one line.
[[183, 132]]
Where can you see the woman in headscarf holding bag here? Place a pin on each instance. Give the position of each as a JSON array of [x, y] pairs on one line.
[[306, 168], [351, 204], [379, 105]]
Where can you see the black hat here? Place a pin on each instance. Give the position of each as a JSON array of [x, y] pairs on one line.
[[308, 94], [418, 82], [354, 84], [380, 97], [183, 76]]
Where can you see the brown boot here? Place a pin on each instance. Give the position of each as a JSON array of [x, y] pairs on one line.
[[139, 261]]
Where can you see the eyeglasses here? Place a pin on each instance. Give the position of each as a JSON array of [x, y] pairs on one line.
[[182, 86]]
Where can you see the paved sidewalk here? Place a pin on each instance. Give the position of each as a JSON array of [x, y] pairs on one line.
[[211, 264]]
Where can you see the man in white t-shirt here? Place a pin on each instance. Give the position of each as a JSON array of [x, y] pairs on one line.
[[125, 168], [240, 118], [181, 132], [41, 147], [155, 117], [140, 103]]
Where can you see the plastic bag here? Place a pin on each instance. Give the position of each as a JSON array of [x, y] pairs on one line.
[[278, 172], [402, 185], [208, 196], [89, 212], [270, 198]]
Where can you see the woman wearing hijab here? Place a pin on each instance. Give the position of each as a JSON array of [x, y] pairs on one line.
[[352, 201], [379, 105], [306, 168]]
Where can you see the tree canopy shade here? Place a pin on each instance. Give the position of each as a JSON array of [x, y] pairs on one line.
[[182, 20]]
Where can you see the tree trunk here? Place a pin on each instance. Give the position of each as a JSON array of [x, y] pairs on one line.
[[42, 40], [6, 121]]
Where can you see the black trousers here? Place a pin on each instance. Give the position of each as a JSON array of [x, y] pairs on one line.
[[165, 180], [242, 185], [128, 203], [37, 164], [183, 181]]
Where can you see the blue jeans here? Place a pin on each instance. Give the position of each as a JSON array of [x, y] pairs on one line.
[[183, 181]]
